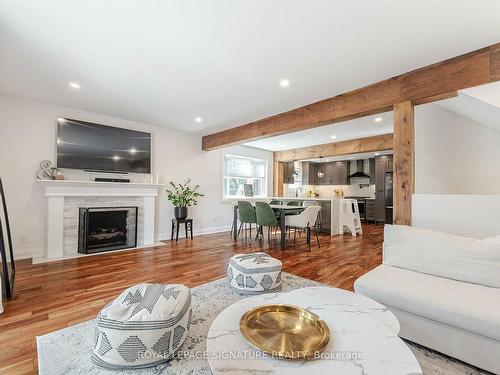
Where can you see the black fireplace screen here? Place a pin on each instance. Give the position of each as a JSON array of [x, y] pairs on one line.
[[107, 228]]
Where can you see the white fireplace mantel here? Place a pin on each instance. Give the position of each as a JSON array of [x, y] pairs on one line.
[[57, 191]]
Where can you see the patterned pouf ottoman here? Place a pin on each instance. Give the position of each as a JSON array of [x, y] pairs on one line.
[[254, 273], [144, 326]]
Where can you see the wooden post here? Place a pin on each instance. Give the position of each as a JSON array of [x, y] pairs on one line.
[[278, 174], [404, 162]]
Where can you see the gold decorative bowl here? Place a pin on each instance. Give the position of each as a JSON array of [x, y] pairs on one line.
[[285, 331]]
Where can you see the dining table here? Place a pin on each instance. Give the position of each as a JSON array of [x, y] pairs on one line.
[[280, 210]]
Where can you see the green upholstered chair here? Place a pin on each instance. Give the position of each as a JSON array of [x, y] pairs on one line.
[[266, 217], [294, 204], [275, 202], [246, 216]]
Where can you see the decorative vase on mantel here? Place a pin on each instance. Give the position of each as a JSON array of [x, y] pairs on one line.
[[180, 213]]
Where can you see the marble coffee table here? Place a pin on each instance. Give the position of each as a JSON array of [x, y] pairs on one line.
[[364, 337]]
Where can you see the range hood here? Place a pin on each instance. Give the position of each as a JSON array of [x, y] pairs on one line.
[[359, 170]]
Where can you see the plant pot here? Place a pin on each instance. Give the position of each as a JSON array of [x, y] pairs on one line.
[[180, 212]]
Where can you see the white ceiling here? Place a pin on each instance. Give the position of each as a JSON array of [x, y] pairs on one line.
[[165, 62], [480, 104], [358, 128]]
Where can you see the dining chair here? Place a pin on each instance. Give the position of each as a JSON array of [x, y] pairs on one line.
[[309, 203], [294, 203], [266, 217], [275, 202], [306, 219], [317, 224], [246, 215]]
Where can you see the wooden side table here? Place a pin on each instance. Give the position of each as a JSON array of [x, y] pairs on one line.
[[188, 226]]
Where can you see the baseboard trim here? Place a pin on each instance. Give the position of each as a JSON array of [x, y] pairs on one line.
[[166, 236]]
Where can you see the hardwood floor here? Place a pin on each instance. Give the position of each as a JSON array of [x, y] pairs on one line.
[[51, 296]]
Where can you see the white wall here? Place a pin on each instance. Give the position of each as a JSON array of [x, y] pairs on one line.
[[464, 215], [454, 155], [457, 174], [27, 136]]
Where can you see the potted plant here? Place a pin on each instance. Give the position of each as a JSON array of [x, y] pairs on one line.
[[182, 196]]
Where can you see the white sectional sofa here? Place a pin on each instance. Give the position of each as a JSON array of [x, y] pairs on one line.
[[444, 289]]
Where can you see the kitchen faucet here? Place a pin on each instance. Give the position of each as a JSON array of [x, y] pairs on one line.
[[297, 191]]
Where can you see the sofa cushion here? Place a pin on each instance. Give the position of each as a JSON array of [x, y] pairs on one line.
[[442, 254], [470, 307]]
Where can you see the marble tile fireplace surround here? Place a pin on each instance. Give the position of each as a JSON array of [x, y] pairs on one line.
[[65, 198]]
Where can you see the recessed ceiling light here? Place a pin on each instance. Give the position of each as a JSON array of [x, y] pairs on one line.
[[116, 158], [333, 137], [198, 119], [74, 85], [378, 119], [284, 83], [133, 150], [377, 153]]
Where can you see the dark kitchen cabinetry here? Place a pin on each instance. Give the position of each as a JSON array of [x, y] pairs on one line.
[[370, 209], [306, 177], [330, 174], [288, 172], [334, 173], [313, 174], [309, 173], [371, 163], [383, 164], [325, 216], [342, 173]]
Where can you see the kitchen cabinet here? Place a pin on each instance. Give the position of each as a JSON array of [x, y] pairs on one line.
[[313, 174], [371, 163], [334, 173], [370, 209], [321, 167], [306, 166], [342, 173], [288, 172], [330, 174], [325, 216]]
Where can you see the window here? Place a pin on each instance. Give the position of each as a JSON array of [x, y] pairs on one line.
[[240, 171]]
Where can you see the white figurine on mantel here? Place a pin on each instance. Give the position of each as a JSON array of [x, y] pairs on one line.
[[46, 171]]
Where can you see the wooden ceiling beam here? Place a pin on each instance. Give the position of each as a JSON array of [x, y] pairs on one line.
[[435, 98], [469, 70], [354, 146]]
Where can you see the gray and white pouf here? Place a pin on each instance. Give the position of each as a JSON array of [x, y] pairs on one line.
[[144, 326], [254, 273]]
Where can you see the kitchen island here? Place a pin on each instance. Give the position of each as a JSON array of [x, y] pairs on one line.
[[330, 214]]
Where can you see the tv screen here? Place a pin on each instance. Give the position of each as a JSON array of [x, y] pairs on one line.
[[84, 145]]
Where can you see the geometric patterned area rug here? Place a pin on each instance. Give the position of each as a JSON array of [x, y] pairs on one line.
[[68, 350]]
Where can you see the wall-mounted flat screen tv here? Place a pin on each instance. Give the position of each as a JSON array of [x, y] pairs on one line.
[[95, 147]]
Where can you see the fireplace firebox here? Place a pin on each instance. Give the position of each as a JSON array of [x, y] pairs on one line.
[[107, 228]]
